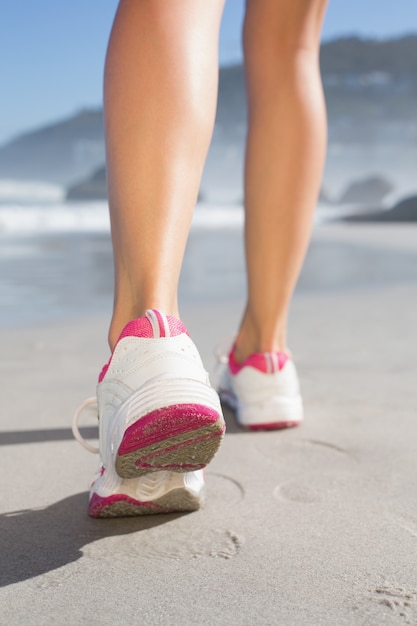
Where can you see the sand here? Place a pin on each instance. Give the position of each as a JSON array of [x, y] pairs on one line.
[[313, 525]]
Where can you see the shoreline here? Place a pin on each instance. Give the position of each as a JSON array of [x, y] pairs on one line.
[[55, 278]]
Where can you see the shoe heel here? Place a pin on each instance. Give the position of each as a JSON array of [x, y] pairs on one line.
[[182, 435]]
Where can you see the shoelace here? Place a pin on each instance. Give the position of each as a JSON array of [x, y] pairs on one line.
[[89, 402], [223, 348], [221, 353]]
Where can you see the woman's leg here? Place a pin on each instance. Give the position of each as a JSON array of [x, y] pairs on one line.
[[160, 95], [284, 160]]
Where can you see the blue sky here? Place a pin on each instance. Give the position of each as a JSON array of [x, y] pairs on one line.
[[51, 52]]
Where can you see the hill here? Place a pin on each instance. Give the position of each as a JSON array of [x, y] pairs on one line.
[[370, 87], [61, 152]]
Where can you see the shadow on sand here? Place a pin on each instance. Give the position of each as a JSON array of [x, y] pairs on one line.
[[38, 541]]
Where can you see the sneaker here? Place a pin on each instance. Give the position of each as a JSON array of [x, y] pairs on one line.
[[263, 391], [156, 492], [157, 409]]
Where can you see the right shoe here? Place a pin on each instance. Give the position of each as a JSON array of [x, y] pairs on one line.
[[157, 410], [263, 391]]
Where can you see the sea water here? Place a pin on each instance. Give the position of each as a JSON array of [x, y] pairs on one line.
[[56, 258]]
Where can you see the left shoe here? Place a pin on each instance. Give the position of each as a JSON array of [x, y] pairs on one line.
[[156, 492], [160, 422], [157, 409]]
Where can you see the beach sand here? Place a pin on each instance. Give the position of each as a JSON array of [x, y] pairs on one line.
[[313, 525]]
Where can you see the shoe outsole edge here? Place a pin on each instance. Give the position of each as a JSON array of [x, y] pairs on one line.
[[183, 438], [122, 505]]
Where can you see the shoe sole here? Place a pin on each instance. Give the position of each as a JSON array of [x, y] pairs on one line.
[[178, 438], [273, 425], [121, 505], [292, 407]]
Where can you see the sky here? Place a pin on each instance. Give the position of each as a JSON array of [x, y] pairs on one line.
[[52, 52]]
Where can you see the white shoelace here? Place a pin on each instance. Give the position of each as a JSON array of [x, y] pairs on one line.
[[89, 402], [223, 348]]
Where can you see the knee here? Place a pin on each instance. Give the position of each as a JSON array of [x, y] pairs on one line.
[[278, 30]]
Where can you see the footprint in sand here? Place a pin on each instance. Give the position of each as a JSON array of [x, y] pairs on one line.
[[176, 538], [223, 490], [308, 450], [390, 604], [297, 492], [302, 455], [193, 543]]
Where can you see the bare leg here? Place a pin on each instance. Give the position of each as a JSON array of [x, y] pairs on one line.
[[284, 161], [159, 100]]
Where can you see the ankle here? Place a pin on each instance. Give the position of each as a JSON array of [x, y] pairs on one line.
[[117, 324], [258, 338]]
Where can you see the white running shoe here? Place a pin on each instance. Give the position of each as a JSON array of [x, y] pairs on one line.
[[156, 492], [157, 409], [263, 391]]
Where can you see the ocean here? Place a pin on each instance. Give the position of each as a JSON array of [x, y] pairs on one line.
[[56, 257]]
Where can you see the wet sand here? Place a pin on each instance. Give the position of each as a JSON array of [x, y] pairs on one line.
[[314, 525]]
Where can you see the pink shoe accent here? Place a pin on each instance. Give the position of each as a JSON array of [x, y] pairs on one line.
[[166, 423], [98, 505], [140, 327], [267, 362], [103, 371], [141, 463], [144, 328]]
